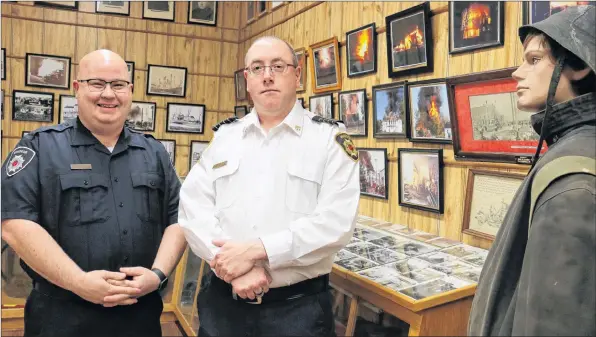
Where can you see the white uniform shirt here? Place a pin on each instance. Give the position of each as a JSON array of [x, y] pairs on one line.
[[295, 188]]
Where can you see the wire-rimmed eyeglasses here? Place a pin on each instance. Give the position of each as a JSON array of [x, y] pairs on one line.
[[99, 85], [259, 69]]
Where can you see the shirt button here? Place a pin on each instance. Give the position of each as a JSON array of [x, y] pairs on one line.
[[125, 232], [116, 179], [86, 182], [121, 204]]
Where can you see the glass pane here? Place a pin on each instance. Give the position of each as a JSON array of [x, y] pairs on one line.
[[189, 285], [16, 284], [373, 321]]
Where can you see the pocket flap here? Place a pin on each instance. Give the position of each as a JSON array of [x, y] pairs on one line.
[[224, 167], [83, 180], [305, 171], [151, 180]]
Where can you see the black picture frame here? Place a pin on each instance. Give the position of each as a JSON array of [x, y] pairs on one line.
[[30, 80], [422, 188], [240, 111], [192, 162], [203, 22], [351, 63], [141, 125], [442, 99], [329, 98], [33, 105], [154, 3], [363, 172], [3, 63], [153, 67], [61, 112], [53, 4], [184, 128], [240, 85], [417, 15], [103, 10], [352, 128], [492, 25], [131, 71], [531, 7], [403, 105], [173, 153]]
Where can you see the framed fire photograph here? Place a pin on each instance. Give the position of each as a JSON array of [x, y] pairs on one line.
[[170, 146], [69, 108], [321, 105], [301, 56], [409, 41], [240, 84], [361, 51], [353, 111], [196, 149], [475, 25], [142, 116], [429, 113], [187, 118], [390, 119], [202, 12], [420, 179], [325, 66], [486, 124], [32, 106], [47, 71], [240, 111], [113, 7], [131, 71], [535, 11], [374, 178], [166, 81], [159, 10]]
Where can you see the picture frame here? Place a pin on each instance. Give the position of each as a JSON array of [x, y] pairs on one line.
[[170, 145], [420, 179], [409, 41], [486, 124], [250, 11], [69, 108], [32, 106], [3, 65], [185, 118], [321, 105], [196, 149], [73, 5], [47, 71], [488, 197], [113, 7], [484, 25], [131, 71], [240, 111], [166, 80], [202, 13], [261, 7], [326, 69], [535, 11], [353, 111], [301, 56], [301, 100], [390, 117], [276, 4], [361, 51], [159, 10], [429, 112], [240, 85], [374, 177], [142, 116]]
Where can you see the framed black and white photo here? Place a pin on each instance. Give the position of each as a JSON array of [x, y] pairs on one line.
[[74, 5], [113, 7], [390, 117], [47, 71], [32, 106], [321, 105], [187, 118], [196, 150], [240, 84], [142, 116], [429, 113], [166, 81], [353, 111], [3, 65], [240, 111], [420, 179], [475, 25], [159, 10], [374, 178], [202, 12], [69, 108], [131, 71], [170, 146], [361, 51]]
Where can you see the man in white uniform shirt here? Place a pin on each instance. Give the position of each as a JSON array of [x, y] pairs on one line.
[[269, 204]]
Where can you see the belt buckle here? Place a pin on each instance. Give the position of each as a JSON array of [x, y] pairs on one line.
[[258, 300]]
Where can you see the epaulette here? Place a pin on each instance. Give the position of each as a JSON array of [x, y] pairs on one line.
[[57, 127], [321, 119], [225, 121]]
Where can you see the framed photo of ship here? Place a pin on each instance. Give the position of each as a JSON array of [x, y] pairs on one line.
[[429, 113], [390, 119], [326, 69], [374, 178], [47, 71], [142, 116], [420, 179], [475, 25], [535, 11], [113, 7], [166, 81], [361, 47], [187, 118], [353, 111]]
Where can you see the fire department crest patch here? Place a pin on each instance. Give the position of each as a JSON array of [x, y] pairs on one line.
[[19, 159], [345, 141]]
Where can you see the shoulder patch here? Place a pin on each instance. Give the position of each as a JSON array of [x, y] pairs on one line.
[[344, 140], [321, 119], [225, 121], [19, 159]]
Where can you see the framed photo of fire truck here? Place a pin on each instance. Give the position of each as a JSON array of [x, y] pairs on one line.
[[361, 46], [420, 179], [430, 117], [475, 25], [409, 41], [374, 178]]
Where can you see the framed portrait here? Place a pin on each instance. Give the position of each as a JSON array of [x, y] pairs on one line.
[[187, 118], [250, 10], [475, 25], [142, 116], [409, 41], [202, 12], [32, 106], [326, 70], [113, 7], [301, 56], [535, 11], [420, 179], [196, 149], [240, 111], [159, 10], [240, 84], [353, 111], [390, 118], [374, 179], [166, 81], [170, 146], [3, 65], [321, 105], [74, 5], [361, 51], [131, 71], [429, 113], [488, 196], [69, 108], [47, 71], [301, 101], [486, 124]]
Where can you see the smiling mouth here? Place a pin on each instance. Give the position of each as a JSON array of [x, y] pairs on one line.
[[107, 105]]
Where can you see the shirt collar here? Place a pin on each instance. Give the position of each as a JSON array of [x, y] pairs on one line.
[[294, 120], [83, 136]]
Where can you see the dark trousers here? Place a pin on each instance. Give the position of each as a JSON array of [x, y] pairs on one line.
[[221, 315], [51, 316]]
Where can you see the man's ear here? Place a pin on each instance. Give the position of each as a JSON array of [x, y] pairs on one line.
[[576, 75], [298, 74]]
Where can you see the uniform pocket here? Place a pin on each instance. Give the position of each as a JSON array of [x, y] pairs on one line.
[[84, 197], [148, 194], [303, 184], [224, 178]]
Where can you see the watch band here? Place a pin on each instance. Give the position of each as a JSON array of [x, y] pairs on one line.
[[163, 279]]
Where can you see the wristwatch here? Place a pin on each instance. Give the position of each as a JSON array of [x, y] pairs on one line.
[[163, 279]]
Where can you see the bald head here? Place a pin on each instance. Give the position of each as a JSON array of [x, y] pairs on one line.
[[267, 41], [100, 59]]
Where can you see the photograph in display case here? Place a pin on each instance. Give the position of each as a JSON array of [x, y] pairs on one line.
[[344, 255], [422, 236], [47, 71], [409, 265], [32, 106], [202, 12], [434, 287], [301, 57], [420, 179], [414, 248], [69, 108], [477, 259], [423, 275], [451, 267], [389, 110], [326, 69], [357, 264], [475, 25], [471, 275], [196, 149], [429, 113], [443, 242], [321, 105], [142, 116], [366, 234], [384, 256], [187, 118], [170, 146], [374, 178], [159, 10], [361, 248], [166, 81], [436, 257], [353, 111], [535, 11], [389, 242], [463, 251], [113, 7], [361, 51]]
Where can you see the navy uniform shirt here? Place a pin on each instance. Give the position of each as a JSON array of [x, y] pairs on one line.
[[106, 210]]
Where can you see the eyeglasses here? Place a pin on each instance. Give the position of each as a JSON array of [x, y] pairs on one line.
[[99, 85], [279, 68]]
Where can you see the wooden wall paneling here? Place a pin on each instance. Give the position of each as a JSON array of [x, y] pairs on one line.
[[226, 101], [157, 26], [181, 11], [138, 93], [29, 33], [179, 51], [59, 16], [231, 35], [87, 6], [136, 50], [298, 34], [58, 39], [32, 12], [335, 8], [86, 42], [229, 58], [112, 21], [114, 40], [6, 24], [207, 57], [86, 18]]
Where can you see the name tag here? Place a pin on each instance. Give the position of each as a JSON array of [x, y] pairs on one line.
[[80, 166], [222, 164]]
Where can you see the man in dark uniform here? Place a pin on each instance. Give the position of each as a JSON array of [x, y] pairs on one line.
[[539, 277], [91, 207]]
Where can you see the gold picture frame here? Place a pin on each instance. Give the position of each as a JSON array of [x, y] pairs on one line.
[[325, 66]]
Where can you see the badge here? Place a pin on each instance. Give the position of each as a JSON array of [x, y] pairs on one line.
[[222, 164], [345, 141], [80, 166], [19, 159]]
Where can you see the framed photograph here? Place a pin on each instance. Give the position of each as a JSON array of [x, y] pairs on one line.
[[240, 111], [131, 71], [187, 118], [389, 110], [113, 7], [202, 12], [74, 5], [301, 100], [159, 10], [535, 11], [47, 71], [486, 124], [32, 106], [361, 51], [170, 146], [69, 108], [374, 178], [325, 66], [409, 41], [142, 116], [475, 25], [321, 105], [166, 81], [420, 179], [262, 7], [240, 84], [196, 149], [3, 63], [301, 56], [353, 111], [488, 196], [429, 113], [250, 10]]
